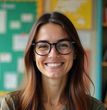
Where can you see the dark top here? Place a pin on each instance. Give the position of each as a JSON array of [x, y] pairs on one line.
[[10, 102]]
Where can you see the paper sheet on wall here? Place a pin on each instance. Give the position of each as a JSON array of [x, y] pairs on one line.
[[79, 11], [19, 42], [27, 17], [10, 80], [85, 37], [2, 21], [20, 65], [15, 24], [5, 57]]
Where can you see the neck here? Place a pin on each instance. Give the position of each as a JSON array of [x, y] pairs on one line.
[[52, 90]]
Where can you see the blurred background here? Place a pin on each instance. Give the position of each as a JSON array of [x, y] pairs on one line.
[[16, 20]]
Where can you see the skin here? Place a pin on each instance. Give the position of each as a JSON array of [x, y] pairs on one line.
[[54, 66]]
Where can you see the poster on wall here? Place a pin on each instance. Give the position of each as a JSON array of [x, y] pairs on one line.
[[15, 26], [79, 12]]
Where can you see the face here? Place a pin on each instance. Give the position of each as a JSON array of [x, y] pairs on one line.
[[53, 65]]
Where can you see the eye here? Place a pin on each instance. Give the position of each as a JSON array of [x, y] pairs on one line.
[[42, 46], [64, 45]]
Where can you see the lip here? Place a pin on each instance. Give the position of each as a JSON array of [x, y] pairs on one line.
[[54, 64]]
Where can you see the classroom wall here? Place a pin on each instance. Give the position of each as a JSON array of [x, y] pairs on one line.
[[18, 21]]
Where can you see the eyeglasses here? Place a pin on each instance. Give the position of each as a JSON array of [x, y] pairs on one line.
[[63, 47]]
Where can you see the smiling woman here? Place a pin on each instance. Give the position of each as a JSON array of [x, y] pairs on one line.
[[54, 63]]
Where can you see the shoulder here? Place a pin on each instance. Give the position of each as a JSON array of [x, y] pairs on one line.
[[96, 104], [10, 101]]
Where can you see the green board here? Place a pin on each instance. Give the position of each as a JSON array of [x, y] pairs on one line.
[[16, 20]]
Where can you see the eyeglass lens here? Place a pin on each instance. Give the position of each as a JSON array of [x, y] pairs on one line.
[[62, 47]]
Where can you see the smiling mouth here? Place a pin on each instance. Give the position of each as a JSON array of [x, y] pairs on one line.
[[54, 64]]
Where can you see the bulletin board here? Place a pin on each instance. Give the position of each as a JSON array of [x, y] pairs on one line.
[[16, 20], [79, 12]]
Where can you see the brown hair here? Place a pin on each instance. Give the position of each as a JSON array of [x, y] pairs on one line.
[[76, 90]]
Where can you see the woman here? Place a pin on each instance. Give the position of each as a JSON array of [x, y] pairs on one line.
[[54, 63]]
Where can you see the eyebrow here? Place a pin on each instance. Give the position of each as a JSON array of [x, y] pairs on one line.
[[65, 39]]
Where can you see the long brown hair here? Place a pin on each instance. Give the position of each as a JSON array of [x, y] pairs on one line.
[[76, 90]]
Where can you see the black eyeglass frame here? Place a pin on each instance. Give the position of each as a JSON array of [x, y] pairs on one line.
[[53, 44]]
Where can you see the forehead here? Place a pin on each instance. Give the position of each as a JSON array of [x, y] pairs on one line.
[[51, 32]]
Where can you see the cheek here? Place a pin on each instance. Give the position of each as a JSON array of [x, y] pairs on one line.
[[69, 61], [39, 61]]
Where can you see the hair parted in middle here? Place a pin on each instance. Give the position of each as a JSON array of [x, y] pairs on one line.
[[76, 89]]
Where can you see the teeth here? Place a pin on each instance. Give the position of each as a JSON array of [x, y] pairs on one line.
[[54, 64]]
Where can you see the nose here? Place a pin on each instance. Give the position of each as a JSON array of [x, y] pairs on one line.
[[53, 52]]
